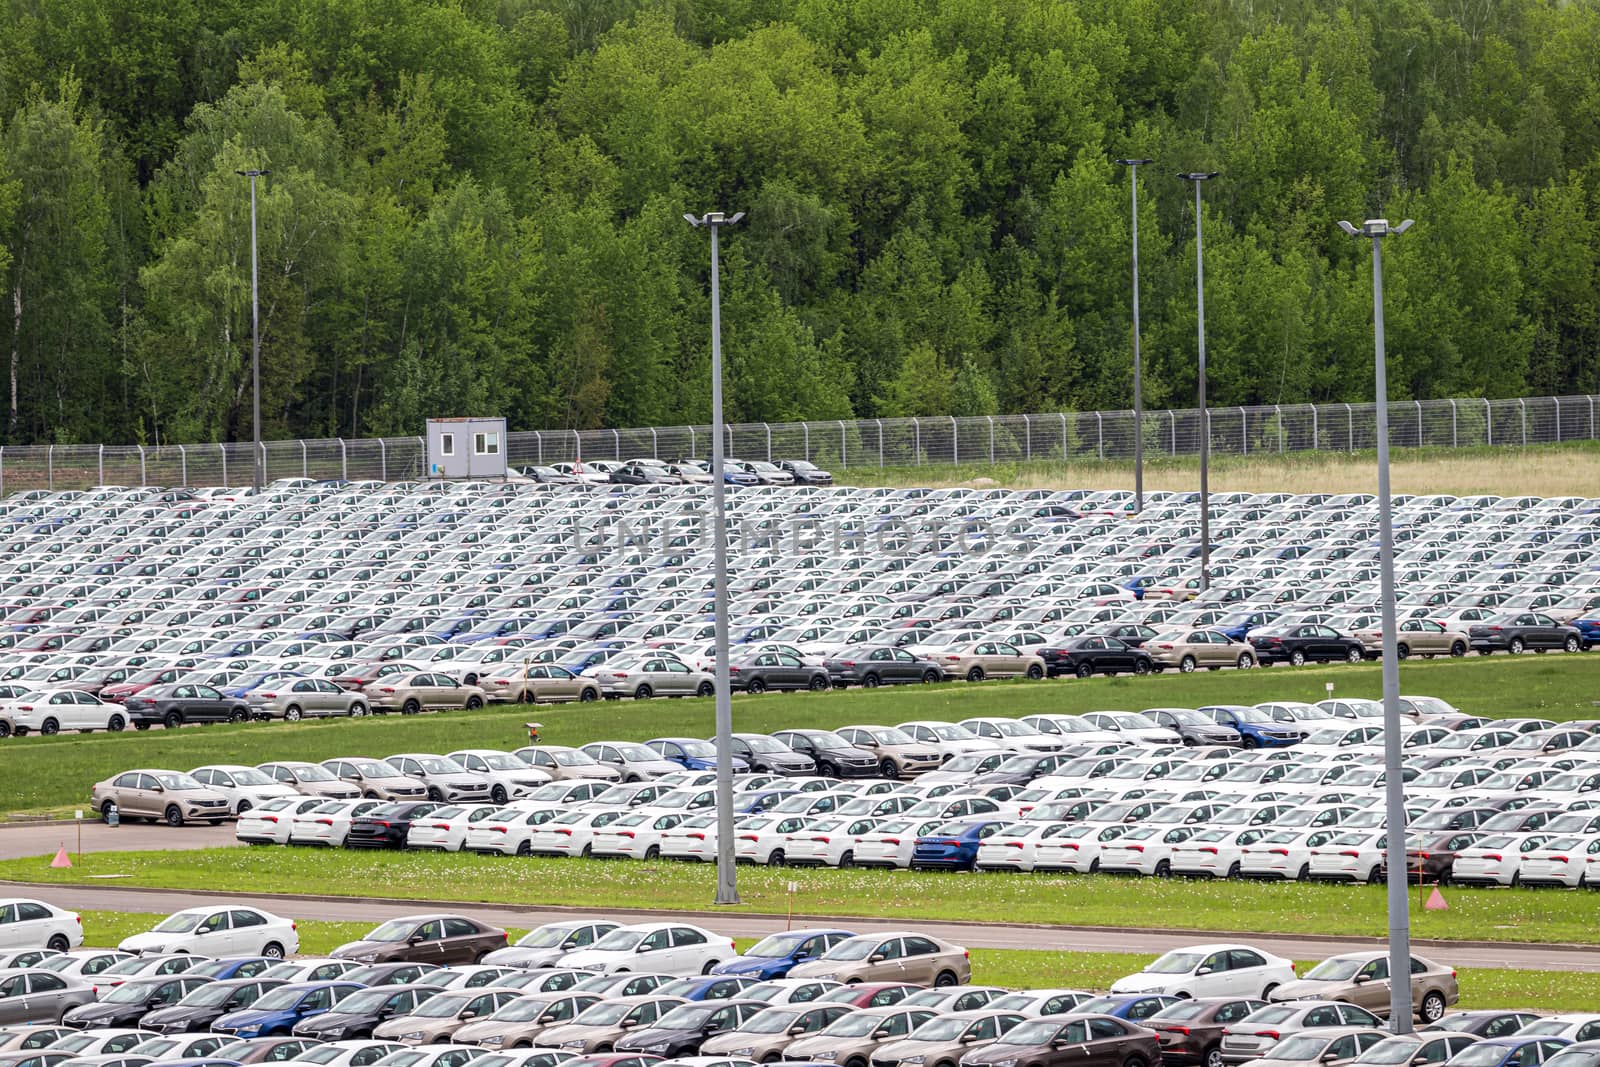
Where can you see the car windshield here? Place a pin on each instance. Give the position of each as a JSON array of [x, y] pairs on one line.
[[1098, 1006], [1035, 1033], [439, 765], [1299, 1047], [249, 776], [603, 1014], [696, 749], [132, 992], [545, 936], [777, 945], [1175, 963], [637, 753], [855, 948], [209, 995], [322, 1054], [1485, 1054], [172, 780], [371, 768], [396, 1059], [502, 761], [1391, 1050], [770, 1021], [393, 930], [687, 1016], [368, 1000], [1334, 970], [858, 1024], [314, 773], [945, 1029], [180, 922], [278, 999], [1182, 1012], [619, 940], [521, 1010], [444, 1005]]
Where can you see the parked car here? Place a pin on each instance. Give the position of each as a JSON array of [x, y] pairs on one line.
[[171, 796], [173, 705], [440, 939], [1362, 978]]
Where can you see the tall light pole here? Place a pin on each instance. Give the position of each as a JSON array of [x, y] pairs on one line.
[[1394, 785], [1133, 166], [727, 886], [255, 337], [1199, 177]]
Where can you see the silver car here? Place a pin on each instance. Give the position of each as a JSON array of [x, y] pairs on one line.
[[445, 780], [39, 996], [646, 676], [305, 698]]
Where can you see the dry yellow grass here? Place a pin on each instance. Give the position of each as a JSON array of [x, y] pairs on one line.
[[1557, 470]]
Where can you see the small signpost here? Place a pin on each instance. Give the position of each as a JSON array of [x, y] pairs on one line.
[[793, 888]]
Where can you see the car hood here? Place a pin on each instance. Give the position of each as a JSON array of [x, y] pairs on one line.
[[149, 942], [177, 1013], [761, 965], [248, 1017], [1304, 990], [102, 1011], [523, 957], [362, 950], [591, 959], [1145, 983]]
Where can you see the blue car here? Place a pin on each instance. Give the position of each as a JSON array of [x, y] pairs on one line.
[[1256, 728], [1240, 623], [1588, 629], [756, 801], [692, 754], [227, 967], [708, 987], [1131, 1006], [278, 1010], [773, 956], [953, 846], [1516, 1051]]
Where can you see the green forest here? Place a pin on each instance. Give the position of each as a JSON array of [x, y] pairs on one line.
[[475, 207]]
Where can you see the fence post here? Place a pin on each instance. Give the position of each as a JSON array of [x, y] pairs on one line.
[[1350, 442], [344, 461], [880, 442], [1591, 417], [1454, 432], [1522, 408], [1314, 436], [1277, 413], [305, 469], [183, 465], [224, 450], [102, 457], [1557, 402], [655, 444], [616, 445], [1244, 433], [1172, 418], [991, 439], [768, 428], [2, 470], [144, 480], [1099, 435], [1488, 422], [1063, 437], [1419, 424], [844, 445], [916, 438], [1027, 437], [383, 461], [50, 467], [805, 428], [422, 451], [955, 443]]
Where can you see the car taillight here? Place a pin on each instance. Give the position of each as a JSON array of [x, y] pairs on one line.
[[1559, 859], [441, 826], [383, 823], [563, 832], [1135, 848], [1349, 852], [698, 837], [847, 663], [501, 681], [1278, 851], [1012, 844], [1169, 649], [1268, 1033], [752, 837], [891, 841], [824, 840], [269, 818], [1208, 848], [1493, 856], [25, 707], [325, 822], [497, 829], [386, 689], [1184, 1030]]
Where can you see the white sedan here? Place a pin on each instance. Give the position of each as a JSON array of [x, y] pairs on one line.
[[347, 1054], [694, 839], [445, 829], [1215, 853], [891, 843], [1351, 857], [1016, 847], [637, 835], [1560, 861], [270, 823], [659, 948], [245, 787], [1077, 848], [828, 842], [509, 777], [32, 924], [49, 711], [1496, 859], [1144, 850], [764, 839], [327, 824], [572, 833], [1284, 854], [509, 831], [1223, 970], [218, 931]]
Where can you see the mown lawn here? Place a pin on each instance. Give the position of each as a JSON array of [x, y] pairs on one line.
[[1550, 916], [52, 773]]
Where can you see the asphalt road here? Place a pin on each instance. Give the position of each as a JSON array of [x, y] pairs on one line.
[[973, 935], [43, 839]]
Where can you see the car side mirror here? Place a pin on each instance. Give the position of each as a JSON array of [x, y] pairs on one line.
[[797, 1029], [879, 1035], [159, 788], [876, 957], [627, 1024], [468, 1014], [1059, 1043], [967, 1039], [1362, 979], [414, 939], [1204, 970], [1329, 1057]]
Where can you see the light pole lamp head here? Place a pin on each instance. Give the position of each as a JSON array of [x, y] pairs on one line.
[[252, 173], [715, 218], [1376, 228], [1134, 162], [1199, 175]]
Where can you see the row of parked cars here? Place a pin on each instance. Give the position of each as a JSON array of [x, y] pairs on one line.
[[137, 607], [649, 470], [1282, 790]]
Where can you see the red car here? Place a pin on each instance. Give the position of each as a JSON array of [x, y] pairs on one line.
[[140, 682], [868, 995]]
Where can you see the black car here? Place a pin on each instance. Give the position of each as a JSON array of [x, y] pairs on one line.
[[644, 474], [403, 972], [1516, 633], [1090, 654], [1133, 634], [768, 755], [1306, 642], [1485, 1023], [386, 826], [196, 1012], [775, 670], [681, 1031], [805, 473], [1020, 770], [129, 1002], [834, 756], [356, 1015], [174, 705], [870, 666], [547, 475]]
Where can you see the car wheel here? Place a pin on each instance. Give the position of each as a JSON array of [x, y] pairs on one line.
[[819, 682], [1570, 644], [929, 677], [705, 689], [710, 965], [1517, 646], [1233, 871], [272, 950], [172, 720], [499, 795], [847, 859], [1458, 649], [1305, 872], [1245, 662], [1163, 869], [827, 770], [1187, 665], [5, 728], [1402, 650], [108, 809], [870, 681], [775, 858], [525, 848], [1142, 667], [244, 806], [975, 674], [358, 710], [1134, 1061], [49, 726], [238, 715], [652, 853], [474, 702], [644, 692], [1355, 655], [1035, 672], [59, 943], [1248, 742], [755, 685], [1297, 658], [435, 795], [174, 815], [1084, 671], [1266, 990], [1432, 1007], [1375, 876], [292, 713], [116, 724], [411, 707], [1212, 1057], [887, 768], [945, 980], [589, 696]]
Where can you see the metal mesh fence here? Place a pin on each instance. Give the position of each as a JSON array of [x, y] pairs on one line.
[[841, 445]]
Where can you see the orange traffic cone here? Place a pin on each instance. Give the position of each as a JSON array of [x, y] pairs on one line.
[[1436, 901], [61, 860]]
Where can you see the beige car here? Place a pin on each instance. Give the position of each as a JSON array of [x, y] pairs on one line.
[[564, 764], [986, 659], [1362, 978], [437, 1019], [850, 1040], [598, 1028], [537, 683], [1417, 637], [375, 778], [899, 754], [892, 957], [309, 779], [521, 1023], [293, 699], [765, 1035], [171, 796], [1189, 650], [423, 691], [941, 1042]]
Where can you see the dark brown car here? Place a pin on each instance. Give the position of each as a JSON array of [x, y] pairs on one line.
[[1080, 1041], [436, 939], [947, 1040], [1191, 1031], [1430, 859]]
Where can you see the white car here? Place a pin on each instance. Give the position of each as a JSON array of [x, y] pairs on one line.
[[1284, 854], [1133, 726], [948, 739], [49, 711], [270, 823], [659, 948], [509, 777], [572, 833], [84, 963], [245, 787], [1495, 859], [780, 991], [445, 829], [1559, 861], [327, 824], [344, 1054], [1356, 856], [218, 931], [508, 831], [637, 835], [1215, 853], [1077, 848], [1015, 847], [26, 923], [827, 842], [1143, 850], [695, 839], [891, 843], [1220, 970], [764, 839]]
